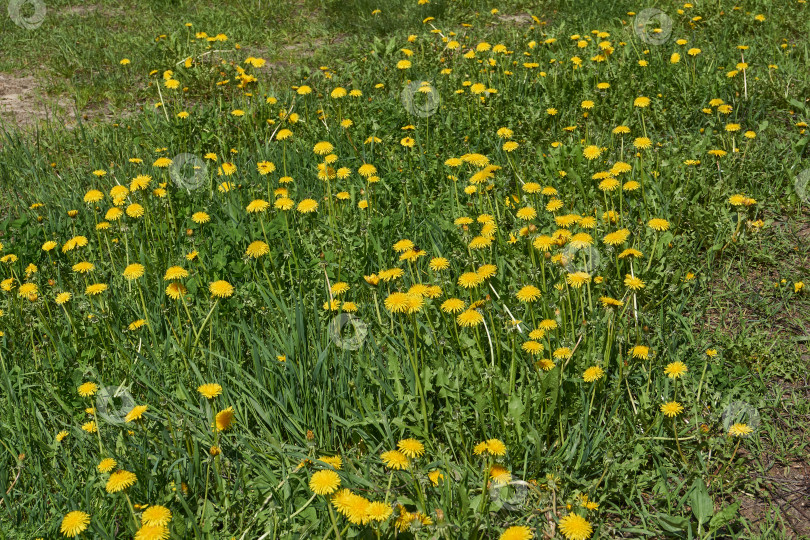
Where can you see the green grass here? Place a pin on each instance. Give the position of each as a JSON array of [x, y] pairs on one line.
[[709, 279]]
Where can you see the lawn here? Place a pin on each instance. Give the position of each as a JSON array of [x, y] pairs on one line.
[[424, 269]]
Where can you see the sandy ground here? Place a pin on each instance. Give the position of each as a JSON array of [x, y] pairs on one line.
[[22, 103]]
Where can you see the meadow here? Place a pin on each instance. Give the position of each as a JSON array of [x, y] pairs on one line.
[[430, 269]]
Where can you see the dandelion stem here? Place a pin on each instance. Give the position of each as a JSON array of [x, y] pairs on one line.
[[678, 443], [190, 320], [146, 314], [388, 489], [334, 523], [593, 395], [417, 378], [202, 326], [484, 487], [98, 431], [732, 457], [205, 497], [302, 507], [131, 510]]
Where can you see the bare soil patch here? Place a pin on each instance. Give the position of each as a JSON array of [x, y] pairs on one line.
[[516, 19], [782, 495], [22, 103], [85, 10], [785, 493]]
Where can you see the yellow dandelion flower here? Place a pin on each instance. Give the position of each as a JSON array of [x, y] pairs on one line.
[[642, 143], [469, 280], [323, 148], [136, 413], [575, 527], [88, 389], [435, 476], [496, 447], [156, 515], [221, 289], [517, 532], [469, 317], [640, 351], [307, 206], [74, 523], [740, 430], [395, 460], [453, 305], [633, 282], [175, 290], [671, 409], [120, 480], [133, 271], [106, 465], [224, 419], [532, 347], [411, 448], [658, 224], [210, 390], [529, 293], [199, 218], [675, 370], [593, 374], [257, 249], [175, 272]]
